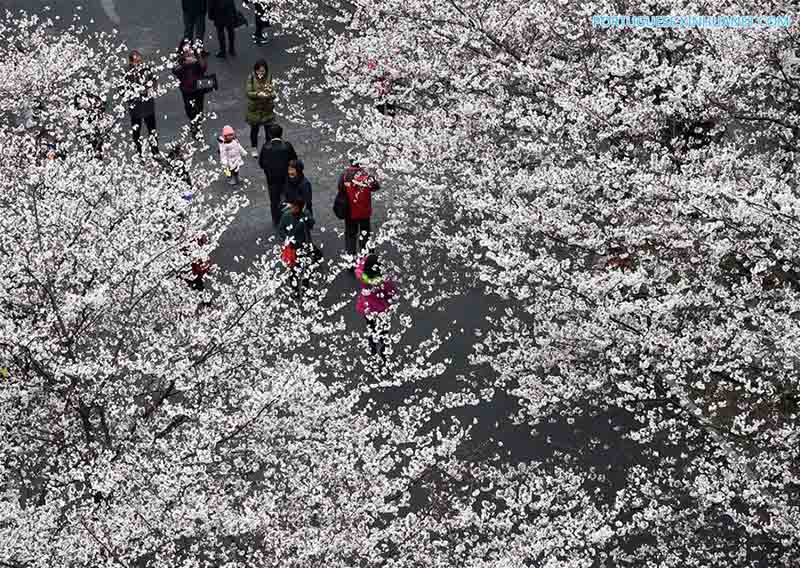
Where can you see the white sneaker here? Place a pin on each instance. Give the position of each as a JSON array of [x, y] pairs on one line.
[[254, 153]]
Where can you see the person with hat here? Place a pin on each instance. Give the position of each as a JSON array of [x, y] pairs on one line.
[[231, 153], [376, 296]]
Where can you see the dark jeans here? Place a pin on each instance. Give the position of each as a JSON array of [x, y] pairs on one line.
[[261, 19], [254, 128], [193, 105], [276, 192], [221, 37], [356, 234], [194, 25], [136, 129]]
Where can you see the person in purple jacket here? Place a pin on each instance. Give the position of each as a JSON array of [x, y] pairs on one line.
[[376, 296], [192, 64]]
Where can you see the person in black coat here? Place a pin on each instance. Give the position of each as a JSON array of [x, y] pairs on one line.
[[194, 19], [223, 14], [274, 160], [298, 186], [140, 83]]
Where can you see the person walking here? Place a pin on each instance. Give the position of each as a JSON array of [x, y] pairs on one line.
[[274, 160], [194, 19], [297, 185], [355, 187], [260, 103], [295, 229], [375, 298], [223, 14], [231, 154], [141, 82], [192, 66], [262, 22]]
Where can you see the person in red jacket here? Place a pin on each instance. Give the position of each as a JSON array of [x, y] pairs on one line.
[[358, 185], [376, 296]]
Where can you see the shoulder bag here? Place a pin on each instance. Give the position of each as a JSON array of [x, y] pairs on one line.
[[341, 205], [206, 83]]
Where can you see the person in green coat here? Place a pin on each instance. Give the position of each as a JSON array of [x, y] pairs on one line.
[[260, 103]]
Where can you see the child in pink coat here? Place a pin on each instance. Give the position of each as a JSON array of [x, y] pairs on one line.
[[231, 154], [374, 299]]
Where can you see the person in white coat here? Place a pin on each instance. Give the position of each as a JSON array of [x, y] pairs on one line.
[[231, 154]]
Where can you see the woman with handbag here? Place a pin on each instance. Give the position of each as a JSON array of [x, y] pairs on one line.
[[225, 16], [191, 68]]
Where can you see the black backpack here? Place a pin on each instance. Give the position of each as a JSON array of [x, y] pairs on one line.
[[341, 205]]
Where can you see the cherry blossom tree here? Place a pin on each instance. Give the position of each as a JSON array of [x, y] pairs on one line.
[[626, 196]]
